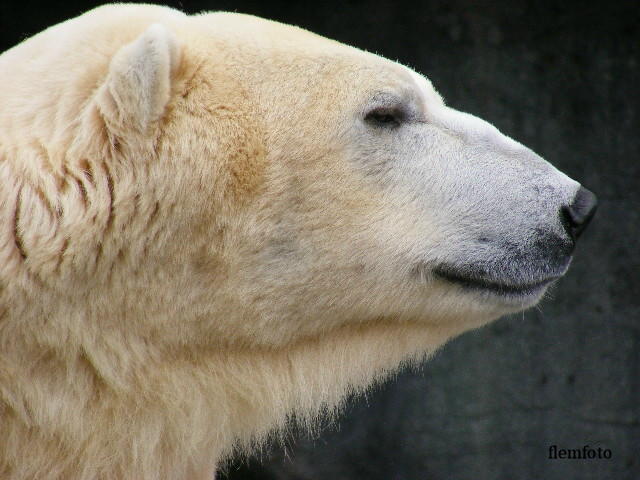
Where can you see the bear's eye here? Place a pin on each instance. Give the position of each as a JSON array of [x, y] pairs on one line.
[[384, 117]]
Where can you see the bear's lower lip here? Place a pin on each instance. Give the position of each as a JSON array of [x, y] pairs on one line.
[[502, 289]]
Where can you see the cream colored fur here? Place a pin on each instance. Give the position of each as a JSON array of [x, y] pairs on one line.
[[190, 252]]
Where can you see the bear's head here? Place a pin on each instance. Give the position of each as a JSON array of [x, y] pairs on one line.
[[252, 183], [267, 185]]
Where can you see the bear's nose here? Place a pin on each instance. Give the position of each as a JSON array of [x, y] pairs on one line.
[[576, 217]]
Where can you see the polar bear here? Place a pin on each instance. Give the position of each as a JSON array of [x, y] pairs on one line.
[[211, 224]]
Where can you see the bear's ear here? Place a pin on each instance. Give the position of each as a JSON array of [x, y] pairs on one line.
[[137, 88]]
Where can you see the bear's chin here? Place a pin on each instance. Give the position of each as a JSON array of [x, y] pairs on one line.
[[513, 299], [514, 296]]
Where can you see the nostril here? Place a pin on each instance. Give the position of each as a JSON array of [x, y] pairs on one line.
[[576, 217]]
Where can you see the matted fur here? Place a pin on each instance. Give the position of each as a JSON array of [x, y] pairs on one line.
[[199, 236]]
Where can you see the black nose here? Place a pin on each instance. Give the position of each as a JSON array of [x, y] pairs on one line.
[[576, 217]]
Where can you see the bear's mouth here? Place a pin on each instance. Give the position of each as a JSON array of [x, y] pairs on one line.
[[505, 289]]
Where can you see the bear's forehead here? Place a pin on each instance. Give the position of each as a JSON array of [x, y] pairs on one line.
[[290, 44]]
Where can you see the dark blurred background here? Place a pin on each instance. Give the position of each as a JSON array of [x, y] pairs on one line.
[[562, 78]]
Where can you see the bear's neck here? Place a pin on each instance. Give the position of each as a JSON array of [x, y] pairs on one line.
[[177, 412]]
